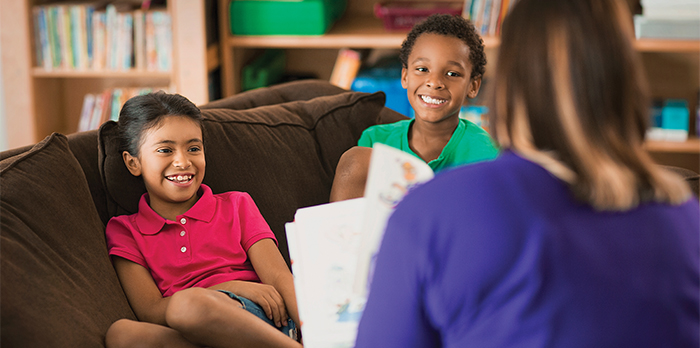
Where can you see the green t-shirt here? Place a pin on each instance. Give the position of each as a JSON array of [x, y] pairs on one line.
[[469, 143]]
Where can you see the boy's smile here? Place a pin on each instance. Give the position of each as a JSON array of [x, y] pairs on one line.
[[437, 78], [171, 162]]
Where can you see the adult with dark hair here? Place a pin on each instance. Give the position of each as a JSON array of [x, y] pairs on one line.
[[198, 269], [573, 237], [443, 62]]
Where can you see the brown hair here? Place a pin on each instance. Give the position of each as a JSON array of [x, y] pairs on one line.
[[569, 94]]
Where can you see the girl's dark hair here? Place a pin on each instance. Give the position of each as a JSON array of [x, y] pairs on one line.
[[144, 112], [453, 26]]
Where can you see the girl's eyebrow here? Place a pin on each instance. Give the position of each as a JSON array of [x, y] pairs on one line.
[[193, 140]]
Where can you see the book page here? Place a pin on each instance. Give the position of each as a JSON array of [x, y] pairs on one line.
[[392, 174], [324, 243], [332, 247]]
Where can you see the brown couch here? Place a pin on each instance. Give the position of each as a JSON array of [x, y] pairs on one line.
[[57, 285]]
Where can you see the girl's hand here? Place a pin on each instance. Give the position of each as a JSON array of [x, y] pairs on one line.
[[266, 296]]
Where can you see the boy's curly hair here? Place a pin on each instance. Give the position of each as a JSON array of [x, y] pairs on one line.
[[448, 25]]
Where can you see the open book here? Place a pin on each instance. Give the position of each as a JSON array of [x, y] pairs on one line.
[[332, 247]]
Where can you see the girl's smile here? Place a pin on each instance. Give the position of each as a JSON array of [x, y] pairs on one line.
[[171, 162]]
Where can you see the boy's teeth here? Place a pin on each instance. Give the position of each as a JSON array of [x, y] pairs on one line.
[[430, 100]]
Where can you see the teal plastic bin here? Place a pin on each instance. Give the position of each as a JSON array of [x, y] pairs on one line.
[[305, 17]]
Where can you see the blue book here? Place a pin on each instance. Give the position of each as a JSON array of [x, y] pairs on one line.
[[44, 49], [54, 41], [89, 10]]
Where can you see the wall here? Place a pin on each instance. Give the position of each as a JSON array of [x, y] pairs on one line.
[[3, 124]]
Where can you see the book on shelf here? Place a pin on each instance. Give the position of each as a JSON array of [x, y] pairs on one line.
[[493, 21], [101, 36], [139, 40], [99, 108], [332, 248], [346, 67], [163, 40], [86, 112], [487, 15], [41, 38]]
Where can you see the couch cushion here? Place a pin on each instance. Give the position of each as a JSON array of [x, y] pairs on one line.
[[691, 177], [284, 155], [290, 91], [57, 283], [84, 148], [276, 94]]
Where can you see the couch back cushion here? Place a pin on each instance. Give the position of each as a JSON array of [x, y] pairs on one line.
[[57, 283], [283, 155], [276, 94], [291, 91]]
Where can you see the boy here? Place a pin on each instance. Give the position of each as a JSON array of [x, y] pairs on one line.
[[443, 62]]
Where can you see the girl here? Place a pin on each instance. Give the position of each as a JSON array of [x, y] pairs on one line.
[[199, 269]]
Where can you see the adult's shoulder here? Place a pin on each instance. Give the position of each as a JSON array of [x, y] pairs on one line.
[[505, 167]]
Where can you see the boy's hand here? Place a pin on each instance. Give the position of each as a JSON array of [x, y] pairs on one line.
[[266, 296]]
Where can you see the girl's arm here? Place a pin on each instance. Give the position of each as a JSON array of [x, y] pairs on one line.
[[272, 270], [141, 291]]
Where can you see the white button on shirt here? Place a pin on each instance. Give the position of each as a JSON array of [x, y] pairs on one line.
[[183, 249], [182, 233], [183, 221]]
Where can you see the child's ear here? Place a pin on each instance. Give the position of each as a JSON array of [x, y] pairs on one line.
[[474, 85], [404, 83], [132, 163]]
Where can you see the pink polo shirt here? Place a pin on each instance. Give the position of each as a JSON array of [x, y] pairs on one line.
[[205, 246]]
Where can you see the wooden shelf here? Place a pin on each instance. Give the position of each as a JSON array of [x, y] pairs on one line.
[[657, 45], [690, 146], [131, 73], [351, 32], [369, 32]]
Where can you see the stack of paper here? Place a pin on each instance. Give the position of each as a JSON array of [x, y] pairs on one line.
[[332, 248]]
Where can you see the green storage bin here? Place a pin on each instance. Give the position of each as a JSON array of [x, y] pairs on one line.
[[264, 71], [305, 17]]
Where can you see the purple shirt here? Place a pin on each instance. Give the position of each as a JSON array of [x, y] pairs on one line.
[[205, 246], [500, 254]]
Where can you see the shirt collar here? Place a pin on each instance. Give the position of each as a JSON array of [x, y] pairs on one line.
[[454, 140], [149, 222]]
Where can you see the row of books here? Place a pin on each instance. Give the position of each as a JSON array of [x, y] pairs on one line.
[[112, 37], [99, 108], [487, 15]]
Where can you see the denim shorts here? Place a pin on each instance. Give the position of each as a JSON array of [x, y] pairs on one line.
[[290, 329]]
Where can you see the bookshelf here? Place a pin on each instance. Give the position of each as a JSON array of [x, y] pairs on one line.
[[671, 65], [39, 101]]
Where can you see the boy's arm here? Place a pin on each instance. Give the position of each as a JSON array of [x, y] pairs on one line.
[[351, 174], [141, 290], [272, 270]]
